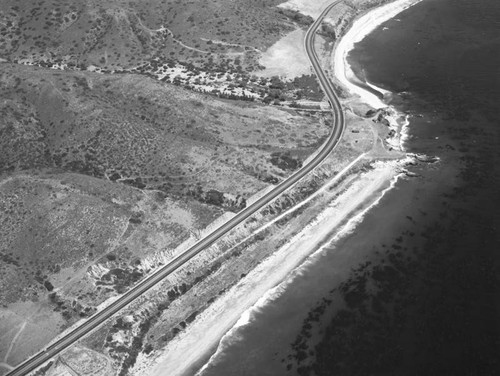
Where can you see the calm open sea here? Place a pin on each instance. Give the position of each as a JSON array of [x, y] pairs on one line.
[[425, 300]]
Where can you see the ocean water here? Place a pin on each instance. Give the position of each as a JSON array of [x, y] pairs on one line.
[[415, 289], [432, 307]]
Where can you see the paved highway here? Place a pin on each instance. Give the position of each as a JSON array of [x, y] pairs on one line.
[[97, 319]]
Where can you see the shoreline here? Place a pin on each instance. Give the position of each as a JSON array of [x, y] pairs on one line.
[[193, 350], [212, 331], [362, 26], [316, 238]]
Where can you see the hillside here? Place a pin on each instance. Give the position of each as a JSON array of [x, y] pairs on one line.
[[106, 167], [122, 34], [146, 134], [116, 171]]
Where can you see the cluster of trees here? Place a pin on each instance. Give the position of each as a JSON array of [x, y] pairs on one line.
[[220, 199], [120, 279], [285, 161], [296, 17], [69, 309], [233, 96], [130, 352]]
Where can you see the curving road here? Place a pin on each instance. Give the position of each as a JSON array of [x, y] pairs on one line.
[[97, 319]]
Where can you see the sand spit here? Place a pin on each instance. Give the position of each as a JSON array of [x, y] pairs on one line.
[[361, 27]]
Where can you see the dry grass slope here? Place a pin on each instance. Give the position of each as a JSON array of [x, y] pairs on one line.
[[121, 33], [146, 134], [102, 176]]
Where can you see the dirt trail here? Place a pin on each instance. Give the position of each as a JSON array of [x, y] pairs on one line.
[[13, 342]]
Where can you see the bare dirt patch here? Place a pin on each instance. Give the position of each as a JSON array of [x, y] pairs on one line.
[[289, 49]]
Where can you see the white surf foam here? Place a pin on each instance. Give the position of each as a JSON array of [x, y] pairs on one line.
[[360, 28]]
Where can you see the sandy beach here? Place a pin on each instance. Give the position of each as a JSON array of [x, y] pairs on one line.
[[213, 329], [361, 27], [243, 305], [182, 355]]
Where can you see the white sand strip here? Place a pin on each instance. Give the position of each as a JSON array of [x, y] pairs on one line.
[[233, 309], [228, 312], [361, 27], [311, 242]]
